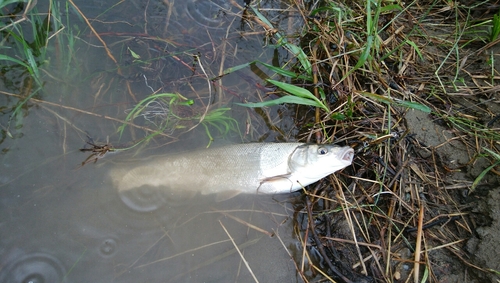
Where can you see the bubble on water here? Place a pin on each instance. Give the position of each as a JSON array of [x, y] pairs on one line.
[[33, 268], [209, 13], [108, 247]]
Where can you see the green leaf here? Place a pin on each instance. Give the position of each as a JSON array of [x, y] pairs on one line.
[[7, 58], [4, 3], [366, 53], [135, 55], [416, 48], [338, 116], [492, 153], [284, 99], [362, 59], [300, 92], [495, 29], [293, 89], [33, 66], [390, 8], [322, 93], [139, 107], [481, 176], [280, 71], [299, 53], [236, 68], [388, 100], [413, 105]]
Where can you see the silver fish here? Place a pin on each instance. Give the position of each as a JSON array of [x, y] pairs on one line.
[[267, 168]]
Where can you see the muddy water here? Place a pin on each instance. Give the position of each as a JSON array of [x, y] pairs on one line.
[[61, 222]]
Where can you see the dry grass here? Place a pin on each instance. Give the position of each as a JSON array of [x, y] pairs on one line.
[[389, 218]]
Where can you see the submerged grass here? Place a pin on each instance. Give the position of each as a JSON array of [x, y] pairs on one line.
[[27, 41]]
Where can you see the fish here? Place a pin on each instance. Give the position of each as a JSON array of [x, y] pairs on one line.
[[250, 168]]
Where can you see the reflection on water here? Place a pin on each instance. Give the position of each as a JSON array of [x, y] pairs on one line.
[[211, 14], [61, 222]]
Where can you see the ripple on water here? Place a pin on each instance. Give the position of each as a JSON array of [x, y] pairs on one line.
[[33, 268], [209, 13], [143, 199]]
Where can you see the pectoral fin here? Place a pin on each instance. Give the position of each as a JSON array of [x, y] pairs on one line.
[[225, 195], [276, 184]]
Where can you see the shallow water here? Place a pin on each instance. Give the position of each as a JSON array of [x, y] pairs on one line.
[[61, 222]]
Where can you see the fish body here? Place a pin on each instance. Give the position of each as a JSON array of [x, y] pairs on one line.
[[267, 168]]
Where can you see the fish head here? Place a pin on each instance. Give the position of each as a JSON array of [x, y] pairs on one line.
[[314, 161]]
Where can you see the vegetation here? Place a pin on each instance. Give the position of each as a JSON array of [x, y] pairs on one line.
[[381, 60]]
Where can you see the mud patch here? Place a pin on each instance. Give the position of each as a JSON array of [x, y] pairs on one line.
[[484, 204]]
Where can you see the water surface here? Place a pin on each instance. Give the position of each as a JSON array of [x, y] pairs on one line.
[[64, 222]]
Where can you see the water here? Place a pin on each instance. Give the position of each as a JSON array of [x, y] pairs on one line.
[[63, 222]]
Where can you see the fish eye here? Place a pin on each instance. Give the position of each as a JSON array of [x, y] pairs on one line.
[[322, 151]]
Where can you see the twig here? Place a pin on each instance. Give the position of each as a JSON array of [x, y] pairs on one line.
[[239, 252], [319, 245], [249, 225], [87, 113], [416, 264], [98, 37]]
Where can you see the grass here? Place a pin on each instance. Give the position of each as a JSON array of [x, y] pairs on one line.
[[28, 40], [162, 112], [158, 110], [495, 27], [304, 72], [26, 43], [382, 59]]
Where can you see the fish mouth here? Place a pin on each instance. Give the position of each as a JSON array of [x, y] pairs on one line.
[[348, 155]]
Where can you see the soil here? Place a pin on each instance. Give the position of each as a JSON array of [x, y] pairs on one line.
[[478, 261], [483, 205]]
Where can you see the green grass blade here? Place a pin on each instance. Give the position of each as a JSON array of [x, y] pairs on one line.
[[362, 59], [390, 8], [481, 176], [293, 89], [492, 153], [7, 58], [300, 92], [495, 29], [411, 43], [237, 68], [139, 107], [284, 99], [277, 70], [297, 52], [4, 3], [33, 66], [413, 105], [20, 105], [280, 71], [387, 100], [366, 53]]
